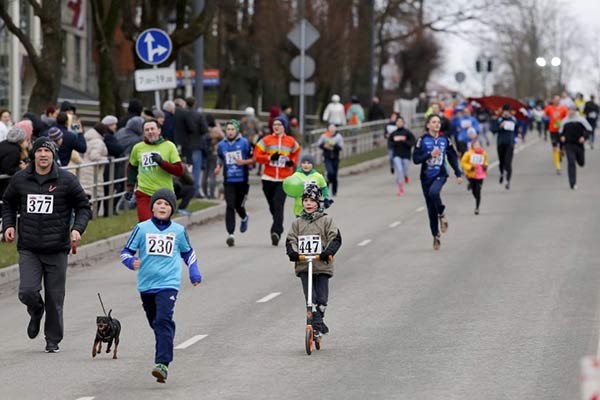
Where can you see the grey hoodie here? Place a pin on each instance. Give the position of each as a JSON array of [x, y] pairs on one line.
[[131, 134]]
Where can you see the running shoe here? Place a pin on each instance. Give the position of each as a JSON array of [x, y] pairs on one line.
[[477, 211], [185, 212], [274, 238], [436, 242], [406, 179], [160, 372], [230, 241], [52, 348], [501, 178], [244, 224], [400, 190], [507, 185], [558, 172], [443, 223]]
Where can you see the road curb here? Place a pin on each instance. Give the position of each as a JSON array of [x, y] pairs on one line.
[[88, 253]]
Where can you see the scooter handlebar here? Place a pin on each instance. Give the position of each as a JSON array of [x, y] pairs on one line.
[[317, 257]]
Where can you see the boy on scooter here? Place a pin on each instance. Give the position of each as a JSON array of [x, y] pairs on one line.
[[314, 233]]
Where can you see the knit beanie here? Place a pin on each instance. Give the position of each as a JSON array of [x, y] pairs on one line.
[[15, 135], [309, 158], [235, 124], [312, 191], [110, 120], [55, 134], [285, 122], [167, 195], [47, 143]]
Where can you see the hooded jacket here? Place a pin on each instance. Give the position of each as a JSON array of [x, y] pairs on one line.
[[288, 149], [45, 204], [574, 127], [130, 135], [317, 223]]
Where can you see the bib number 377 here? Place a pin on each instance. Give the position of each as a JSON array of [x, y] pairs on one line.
[[159, 245], [309, 244], [40, 203]]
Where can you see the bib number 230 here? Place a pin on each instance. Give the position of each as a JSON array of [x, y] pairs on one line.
[[159, 245]]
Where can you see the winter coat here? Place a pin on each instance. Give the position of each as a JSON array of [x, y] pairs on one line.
[[130, 135], [10, 159], [475, 163], [401, 148], [335, 114], [40, 232], [318, 223], [71, 141], [288, 149], [96, 151]]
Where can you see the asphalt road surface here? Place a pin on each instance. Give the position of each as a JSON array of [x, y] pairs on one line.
[[505, 310]]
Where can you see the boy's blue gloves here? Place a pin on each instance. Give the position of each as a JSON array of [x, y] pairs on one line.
[[195, 276]]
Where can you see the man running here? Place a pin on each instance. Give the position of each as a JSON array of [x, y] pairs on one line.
[[431, 151], [573, 133], [506, 126], [556, 113], [591, 111]]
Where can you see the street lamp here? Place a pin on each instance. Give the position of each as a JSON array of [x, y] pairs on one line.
[[555, 61], [541, 61]]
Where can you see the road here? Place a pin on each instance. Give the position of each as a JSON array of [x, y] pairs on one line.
[[504, 310]]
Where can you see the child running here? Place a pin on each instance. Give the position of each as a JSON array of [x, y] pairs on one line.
[[401, 142], [475, 163], [162, 244], [235, 158], [431, 151], [308, 174], [314, 223]]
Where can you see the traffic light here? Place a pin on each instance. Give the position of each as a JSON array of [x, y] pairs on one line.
[[489, 66], [478, 65]]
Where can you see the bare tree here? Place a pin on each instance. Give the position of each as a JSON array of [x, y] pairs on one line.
[[47, 63]]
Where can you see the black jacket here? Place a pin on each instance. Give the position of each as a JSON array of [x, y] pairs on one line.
[[45, 233], [402, 149], [71, 141], [10, 158]]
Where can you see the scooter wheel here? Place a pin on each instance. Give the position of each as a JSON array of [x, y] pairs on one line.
[[308, 339]]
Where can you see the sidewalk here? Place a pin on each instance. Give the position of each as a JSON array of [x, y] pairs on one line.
[[90, 253]]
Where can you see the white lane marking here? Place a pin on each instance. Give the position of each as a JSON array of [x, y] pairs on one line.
[[190, 342], [364, 242], [420, 209], [268, 297], [86, 398], [395, 224]]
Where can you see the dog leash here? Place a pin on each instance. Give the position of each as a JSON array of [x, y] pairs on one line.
[[102, 304]]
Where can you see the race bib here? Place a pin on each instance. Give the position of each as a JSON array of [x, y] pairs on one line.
[[306, 183], [232, 156], [508, 126], [40, 203], [465, 124], [309, 244], [476, 159], [593, 115], [437, 160], [399, 138], [390, 128], [147, 160], [280, 162], [158, 244]]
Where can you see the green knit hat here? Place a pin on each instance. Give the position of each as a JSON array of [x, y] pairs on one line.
[[235, 124]]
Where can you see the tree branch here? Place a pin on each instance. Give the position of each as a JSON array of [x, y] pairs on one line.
[[199, 26], [37, 8], [15, 30]]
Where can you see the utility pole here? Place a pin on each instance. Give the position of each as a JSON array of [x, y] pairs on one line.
[[15, 64], [199, 60], [301, 12]]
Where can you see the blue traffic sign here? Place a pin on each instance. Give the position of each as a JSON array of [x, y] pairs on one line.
[[153, 46]]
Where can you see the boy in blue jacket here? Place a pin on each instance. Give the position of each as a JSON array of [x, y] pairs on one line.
[[162, 244]]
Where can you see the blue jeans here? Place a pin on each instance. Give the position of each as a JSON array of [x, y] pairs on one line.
[[401, 165], [159, 309], [432, 191], [197, 157], [331, 168]]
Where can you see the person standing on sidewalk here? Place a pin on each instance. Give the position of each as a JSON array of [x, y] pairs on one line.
[[279, 153], [235, 158], [152, 165], [45, 196], [431, 151], [573, 134]]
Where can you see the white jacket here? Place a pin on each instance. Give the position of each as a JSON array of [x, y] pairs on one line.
[[335, 114], [96, 151]]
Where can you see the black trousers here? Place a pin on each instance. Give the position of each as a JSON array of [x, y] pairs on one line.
[[185, 193], [575, 154], [276, 198], [505, 157], [331, 167], [476, 185], [320, 292], [235, 197], [52, 270]]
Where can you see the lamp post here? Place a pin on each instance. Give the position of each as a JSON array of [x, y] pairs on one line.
[[555, 62]]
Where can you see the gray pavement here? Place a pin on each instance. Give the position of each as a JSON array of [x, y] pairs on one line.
[[504, 310]]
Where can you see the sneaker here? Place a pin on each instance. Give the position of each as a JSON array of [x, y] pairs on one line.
[[477, 211], [244, 224], [230, 241], [33, 329], [574, 187], [501, 178], [275, 238], [324, 328], [443, 223], [52, 348], [406, 179], [558, 172], [160, 372], [436, 242], [400, 190], [392, 171], [185, 212], [507, 186]]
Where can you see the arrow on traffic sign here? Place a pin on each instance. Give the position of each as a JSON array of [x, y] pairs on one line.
[[159, 51]]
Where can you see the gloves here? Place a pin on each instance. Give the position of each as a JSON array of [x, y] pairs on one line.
[[324, 256], [485, 167], [294, 256], [128, 195], [275, 156], [289, 163], [195, 276], [327, 203], [157, 158]]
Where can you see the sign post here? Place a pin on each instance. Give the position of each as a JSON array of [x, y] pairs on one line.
[[153, 46]]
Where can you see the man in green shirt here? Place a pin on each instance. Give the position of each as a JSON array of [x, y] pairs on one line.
[[152, 165]]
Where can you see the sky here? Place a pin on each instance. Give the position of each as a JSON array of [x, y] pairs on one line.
[[460, 55]]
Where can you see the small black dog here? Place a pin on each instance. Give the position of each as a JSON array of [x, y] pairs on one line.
[[108, 331]]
